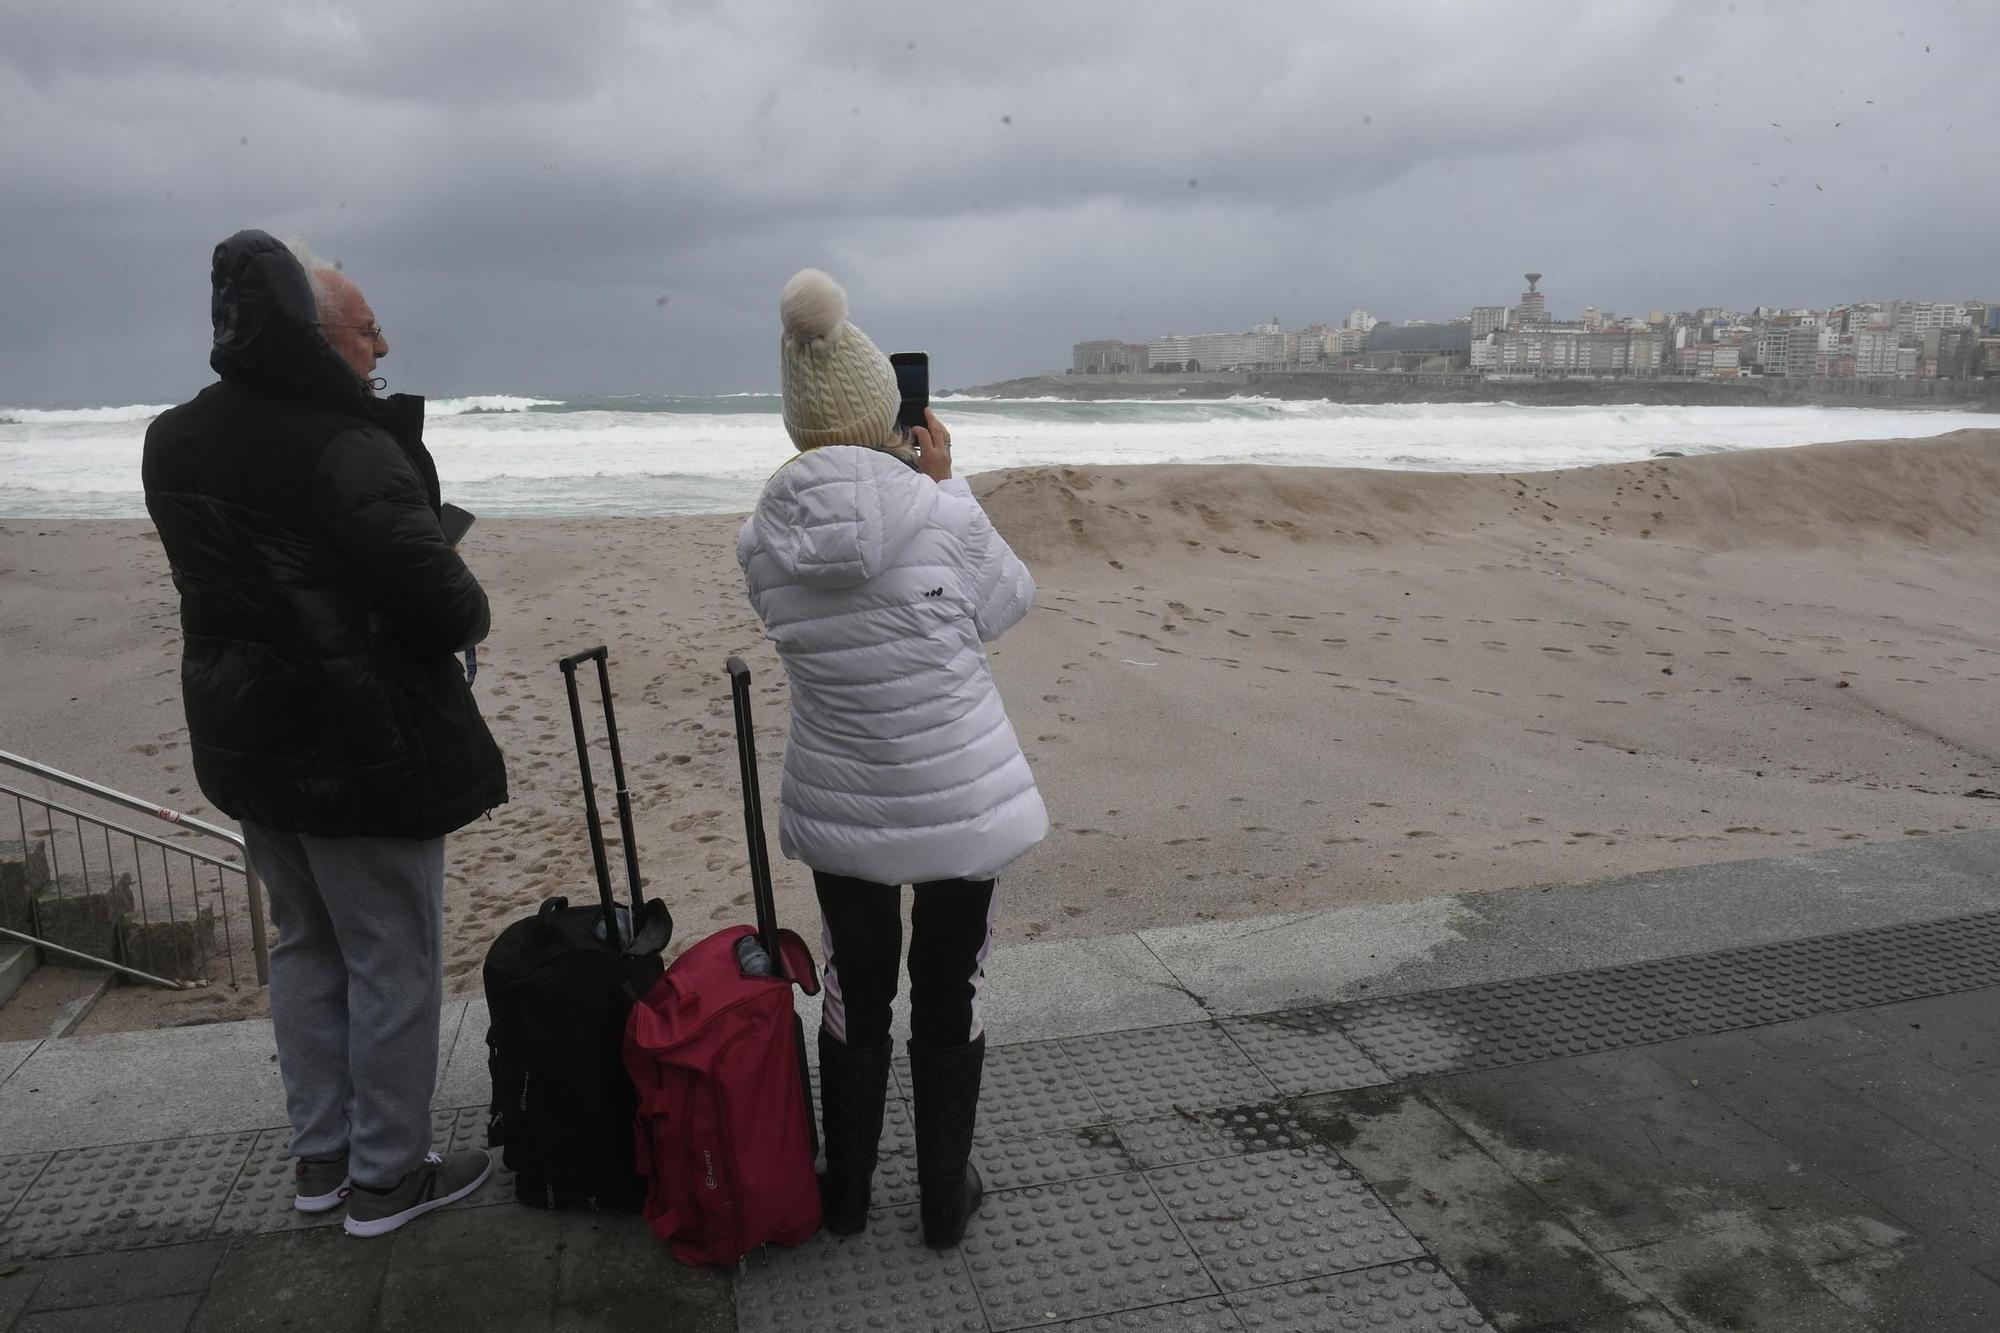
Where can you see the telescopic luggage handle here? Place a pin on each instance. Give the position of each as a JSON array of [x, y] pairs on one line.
[[624, 797], [753, 810]]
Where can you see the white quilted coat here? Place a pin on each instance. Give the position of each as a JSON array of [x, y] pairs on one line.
[[878, 586]]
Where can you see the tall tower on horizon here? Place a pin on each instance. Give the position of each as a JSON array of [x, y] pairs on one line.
[[1534, 309]]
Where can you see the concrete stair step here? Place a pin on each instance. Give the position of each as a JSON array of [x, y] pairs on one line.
[[17, 960], [52, 1002]]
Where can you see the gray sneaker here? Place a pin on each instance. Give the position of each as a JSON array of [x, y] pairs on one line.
[[321, 1183], [439, 1181]]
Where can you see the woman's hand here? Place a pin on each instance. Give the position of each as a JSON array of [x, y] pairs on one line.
[[934, 445]]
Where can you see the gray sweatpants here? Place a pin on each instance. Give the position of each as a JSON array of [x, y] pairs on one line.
[[357, 980]]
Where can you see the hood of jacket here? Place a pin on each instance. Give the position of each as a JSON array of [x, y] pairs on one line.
[[267, 328], [837, 516]]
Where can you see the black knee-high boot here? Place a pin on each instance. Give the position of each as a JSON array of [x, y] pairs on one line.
[[945, 1087], [853, 1082]]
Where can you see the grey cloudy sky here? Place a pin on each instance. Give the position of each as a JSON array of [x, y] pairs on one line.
[[515, 186]]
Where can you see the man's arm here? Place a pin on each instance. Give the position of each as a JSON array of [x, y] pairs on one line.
[[381, 522]]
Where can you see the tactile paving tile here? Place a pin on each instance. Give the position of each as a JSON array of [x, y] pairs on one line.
[[1028, 1089], [1044, 1255], [1508, 1023], [1192, 1065], [1206, 1316], [16, 1175], [261, 1199], [1303, 1051], [1396, 1298], [1050, 1159], [124, 1197], [1279, 1217], [881, 1279], [1575, 1013], [1194, 1136]]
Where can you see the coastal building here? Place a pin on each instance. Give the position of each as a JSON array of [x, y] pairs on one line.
[[1262, 347], [1789, 350], [1533, 308], [1486, 318], [1875, 352], [1571, 349], [1107, 356]]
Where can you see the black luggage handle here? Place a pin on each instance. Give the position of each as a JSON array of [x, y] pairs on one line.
[[760, 871], [753, 811], [624, 796]]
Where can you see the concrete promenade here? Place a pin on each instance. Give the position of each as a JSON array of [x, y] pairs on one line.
[[1759, 1095]]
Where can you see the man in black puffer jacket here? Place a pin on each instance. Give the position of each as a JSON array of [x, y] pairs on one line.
[[321, 611]]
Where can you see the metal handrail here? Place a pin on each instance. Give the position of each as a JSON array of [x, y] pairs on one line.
[[253, 887]]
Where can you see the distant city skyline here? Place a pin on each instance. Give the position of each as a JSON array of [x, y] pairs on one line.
[[1898, 338]]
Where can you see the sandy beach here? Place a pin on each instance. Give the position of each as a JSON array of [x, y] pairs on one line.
[[1243, 689]]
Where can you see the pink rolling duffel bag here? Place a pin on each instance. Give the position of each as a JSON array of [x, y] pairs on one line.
[[726, 1136]]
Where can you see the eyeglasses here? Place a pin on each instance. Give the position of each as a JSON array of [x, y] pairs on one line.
[[374, 331]]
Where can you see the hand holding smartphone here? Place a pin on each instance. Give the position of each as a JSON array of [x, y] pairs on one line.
[[913, 385]]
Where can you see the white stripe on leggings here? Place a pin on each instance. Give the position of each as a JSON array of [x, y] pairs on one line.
[[979, 968], [832, 1008]]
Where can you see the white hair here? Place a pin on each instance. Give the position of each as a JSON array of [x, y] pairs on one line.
[[316, 271]]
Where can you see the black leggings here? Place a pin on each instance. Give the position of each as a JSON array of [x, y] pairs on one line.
[[950, 933]]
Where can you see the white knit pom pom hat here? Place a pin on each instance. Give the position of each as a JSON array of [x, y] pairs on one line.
[[839, 388]]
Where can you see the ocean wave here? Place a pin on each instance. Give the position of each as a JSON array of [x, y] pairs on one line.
[[80, 416], [489, 402]]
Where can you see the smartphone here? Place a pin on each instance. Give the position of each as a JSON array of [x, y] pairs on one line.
[[455, 521], [913, 383]]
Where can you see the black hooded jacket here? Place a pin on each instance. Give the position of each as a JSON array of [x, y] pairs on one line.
[[320, 603]]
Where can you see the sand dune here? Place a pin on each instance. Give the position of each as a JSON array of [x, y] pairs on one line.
[[1243, 689]]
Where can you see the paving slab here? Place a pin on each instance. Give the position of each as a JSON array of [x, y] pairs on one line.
[[1189, 1066], [127, 1086], [483, 1268], [1279, 1217], [18, 1282], [12, 1054], [1818, 1122], [1027, 1090], [315, 1281], [1212, 1315], [89, 1200], [1915, 1288], [463, 1078], [1959, 1032], [1721, 1283], [1302, 1050], [1398, 1298], [1048, 1254], [160, 1314], [615, 1274], [1960, 1113], [1506, 1247], [882, 1278], [1953, 1206], [110, 1279], [1197, 1136]]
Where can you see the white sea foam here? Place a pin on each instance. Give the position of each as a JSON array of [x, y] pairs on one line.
[[492, 402], [84, 416], [643, 454]]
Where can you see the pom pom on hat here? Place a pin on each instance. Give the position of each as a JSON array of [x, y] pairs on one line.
[[838, 386], [812, 305]]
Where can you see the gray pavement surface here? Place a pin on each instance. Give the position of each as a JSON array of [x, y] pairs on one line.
[[1775, 1108]]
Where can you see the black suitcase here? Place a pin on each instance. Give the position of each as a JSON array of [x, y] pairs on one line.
[[559, 985]]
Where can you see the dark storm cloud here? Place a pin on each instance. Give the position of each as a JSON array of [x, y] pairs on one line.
[[516, 186]]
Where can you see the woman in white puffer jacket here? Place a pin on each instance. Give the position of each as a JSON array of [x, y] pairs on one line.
[[879, 577]]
